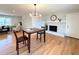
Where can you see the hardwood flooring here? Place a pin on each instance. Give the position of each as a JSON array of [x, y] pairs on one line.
[[54, 45]]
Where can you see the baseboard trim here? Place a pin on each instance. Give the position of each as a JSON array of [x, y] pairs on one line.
[[72, 37], [54, 33]]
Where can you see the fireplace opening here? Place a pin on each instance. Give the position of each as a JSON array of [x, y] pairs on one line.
[[53, 28]]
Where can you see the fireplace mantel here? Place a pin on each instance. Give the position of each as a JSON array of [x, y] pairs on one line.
[[53, 23]]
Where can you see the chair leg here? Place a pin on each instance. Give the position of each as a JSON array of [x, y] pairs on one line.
[[16, 46], [40, 37], [17, 49], [37, 36], [25, 43]]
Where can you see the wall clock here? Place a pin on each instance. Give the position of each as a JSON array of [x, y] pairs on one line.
[[53, 17]]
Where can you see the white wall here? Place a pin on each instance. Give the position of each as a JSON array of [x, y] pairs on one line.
[[72, 25], [26, 21], [37, 21], [62, 16], [15, 20]]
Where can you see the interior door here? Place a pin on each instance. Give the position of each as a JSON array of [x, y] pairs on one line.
[[72, 25]]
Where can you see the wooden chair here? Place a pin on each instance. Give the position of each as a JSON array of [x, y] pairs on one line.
[[40, 33], [20, 39]]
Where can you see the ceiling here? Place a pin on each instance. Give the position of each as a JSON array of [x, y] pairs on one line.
[[44, 9]]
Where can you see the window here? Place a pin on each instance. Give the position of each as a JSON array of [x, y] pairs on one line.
[[5, 21]]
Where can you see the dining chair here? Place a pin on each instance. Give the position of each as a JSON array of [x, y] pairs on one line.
[[20, 39], [40, 33]]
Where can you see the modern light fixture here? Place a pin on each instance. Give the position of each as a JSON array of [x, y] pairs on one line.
[[35, 13], [35, 10]]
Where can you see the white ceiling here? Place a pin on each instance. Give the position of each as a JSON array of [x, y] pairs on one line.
[[22, 9]]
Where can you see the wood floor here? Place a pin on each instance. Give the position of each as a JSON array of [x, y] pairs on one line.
[[54, 45]]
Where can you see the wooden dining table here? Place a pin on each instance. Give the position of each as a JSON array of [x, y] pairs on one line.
[[30, 31]]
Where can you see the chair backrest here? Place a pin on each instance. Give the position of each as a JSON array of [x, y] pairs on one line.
[[15, 33], [16, 36]]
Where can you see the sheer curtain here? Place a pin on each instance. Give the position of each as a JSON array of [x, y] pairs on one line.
[[4, 20]]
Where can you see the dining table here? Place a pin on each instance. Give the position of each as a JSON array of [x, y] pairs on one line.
[[30, 31]]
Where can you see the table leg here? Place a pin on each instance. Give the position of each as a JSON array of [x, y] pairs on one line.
[[44, 35], [37, 36], [29, 37]]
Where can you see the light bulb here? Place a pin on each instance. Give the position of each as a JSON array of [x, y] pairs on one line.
[[30, 14]]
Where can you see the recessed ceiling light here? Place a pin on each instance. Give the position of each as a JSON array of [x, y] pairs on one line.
[[40, 15]]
